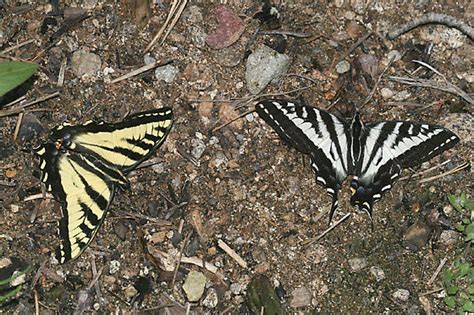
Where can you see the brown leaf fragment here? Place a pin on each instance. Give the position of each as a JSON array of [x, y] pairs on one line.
[[229, 28]]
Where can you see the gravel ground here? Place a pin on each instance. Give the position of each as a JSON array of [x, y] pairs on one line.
[[211, 184]]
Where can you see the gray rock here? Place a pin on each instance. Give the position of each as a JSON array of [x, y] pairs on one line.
[[402, 96], [401, 295], [386, 93], [449, 238], [263, 66], [378, 273], [84, 62], [235, 288], [357, 264], [194, 285], [193, 14], [198, 36], [343, 66], [395, 55], [166, 73], [211, 299], [300, 297], [198, 148]]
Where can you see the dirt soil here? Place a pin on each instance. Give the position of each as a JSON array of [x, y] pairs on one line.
[[239, 184]]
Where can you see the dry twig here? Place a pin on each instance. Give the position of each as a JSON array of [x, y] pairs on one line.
[[142, 69], [371, 94], [229, 251], [22, 107], [169, 24], [437, 271], [286, 33], [329, 229], [450, 172], [432, 18]]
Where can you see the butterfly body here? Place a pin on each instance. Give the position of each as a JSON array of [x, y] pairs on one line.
[[83, 166], [374, 154]]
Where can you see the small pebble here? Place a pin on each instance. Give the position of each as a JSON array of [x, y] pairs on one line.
[[343, 66], [402, 96], [235, 288], [263, 66], [448, 237], [130, 291], [194, 285], [401, 294], [378, 273], [166, 73], [84, 62], [114, 266], [394, 55], [417, 236], [357, 264], [198, 148], [386, 93], [300, 297], [211, 299]]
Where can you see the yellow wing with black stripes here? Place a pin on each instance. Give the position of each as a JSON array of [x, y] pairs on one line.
[[83, 165]]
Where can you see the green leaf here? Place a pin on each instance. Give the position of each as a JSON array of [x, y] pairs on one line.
[[464, 269], [262, 295], [460, 227], [14, 73], [452, 290], [468, 306], [454, 201], [466, 221], [450, 302]]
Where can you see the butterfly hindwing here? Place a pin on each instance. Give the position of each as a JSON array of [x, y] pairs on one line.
[[83, 165]]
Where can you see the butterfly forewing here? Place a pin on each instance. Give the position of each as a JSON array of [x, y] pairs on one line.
[[322, 136], [83, 166]]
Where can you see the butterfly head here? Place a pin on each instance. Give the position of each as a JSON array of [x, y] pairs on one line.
[[361, 197]]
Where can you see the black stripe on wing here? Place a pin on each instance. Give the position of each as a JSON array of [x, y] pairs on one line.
[[395, 145], [312, 132]]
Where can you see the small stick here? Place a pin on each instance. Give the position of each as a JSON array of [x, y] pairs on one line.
[[355, 45], [438, 270], [162, 29], [314, 240], [286, 33], [427, 170], [37, 312], [142, 216], [432, 18], [431, 291], [18, 100], [175, 20], [18, 125], [452, 171], [62, 70], [38, 196], [178, 262], [231, 253], [17, 46], [96, 285], [38, 274], [442, 86], [141, 70], [20, 108], [231, 121], [96, 278], [371, 94]]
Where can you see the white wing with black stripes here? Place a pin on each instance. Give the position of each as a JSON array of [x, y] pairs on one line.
[[374, 154], [83, 165]]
